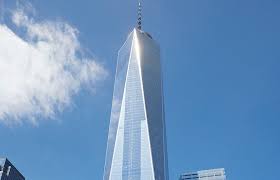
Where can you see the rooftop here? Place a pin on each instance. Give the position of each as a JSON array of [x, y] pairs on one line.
[[204, 174]]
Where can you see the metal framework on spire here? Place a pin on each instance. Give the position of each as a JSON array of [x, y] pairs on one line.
[[139, 21]]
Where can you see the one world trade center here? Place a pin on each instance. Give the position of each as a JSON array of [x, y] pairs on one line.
[[136, 147]]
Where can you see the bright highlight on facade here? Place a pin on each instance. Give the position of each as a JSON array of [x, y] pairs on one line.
[[136, 148]]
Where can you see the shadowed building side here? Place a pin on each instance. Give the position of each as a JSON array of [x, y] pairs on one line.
[[8, 171]]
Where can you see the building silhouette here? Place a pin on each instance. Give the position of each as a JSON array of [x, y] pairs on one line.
[[8, 171], [136, 147]]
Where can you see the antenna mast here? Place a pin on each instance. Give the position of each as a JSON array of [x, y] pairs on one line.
[[139, 21]]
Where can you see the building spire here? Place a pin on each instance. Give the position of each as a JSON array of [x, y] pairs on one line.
[[139, 20]]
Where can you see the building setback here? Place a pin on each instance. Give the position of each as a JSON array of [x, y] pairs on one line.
[[8, 171], [211, 174]]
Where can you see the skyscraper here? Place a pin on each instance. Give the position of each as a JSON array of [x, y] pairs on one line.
[[8, 171], [136, 148], [211, 174]]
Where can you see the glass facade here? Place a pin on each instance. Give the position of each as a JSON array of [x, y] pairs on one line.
[[8, 171], [212, 174], [136, 148]]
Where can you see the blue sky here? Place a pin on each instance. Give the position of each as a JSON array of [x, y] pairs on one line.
[[221, 64]]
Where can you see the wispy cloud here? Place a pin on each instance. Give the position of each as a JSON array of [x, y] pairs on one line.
[[42, 69]]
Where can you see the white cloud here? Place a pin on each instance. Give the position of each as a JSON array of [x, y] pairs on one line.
[[41, 70]]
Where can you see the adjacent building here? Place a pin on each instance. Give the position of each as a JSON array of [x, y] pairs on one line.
[[8, 171], [211, 174], [136, 147]]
